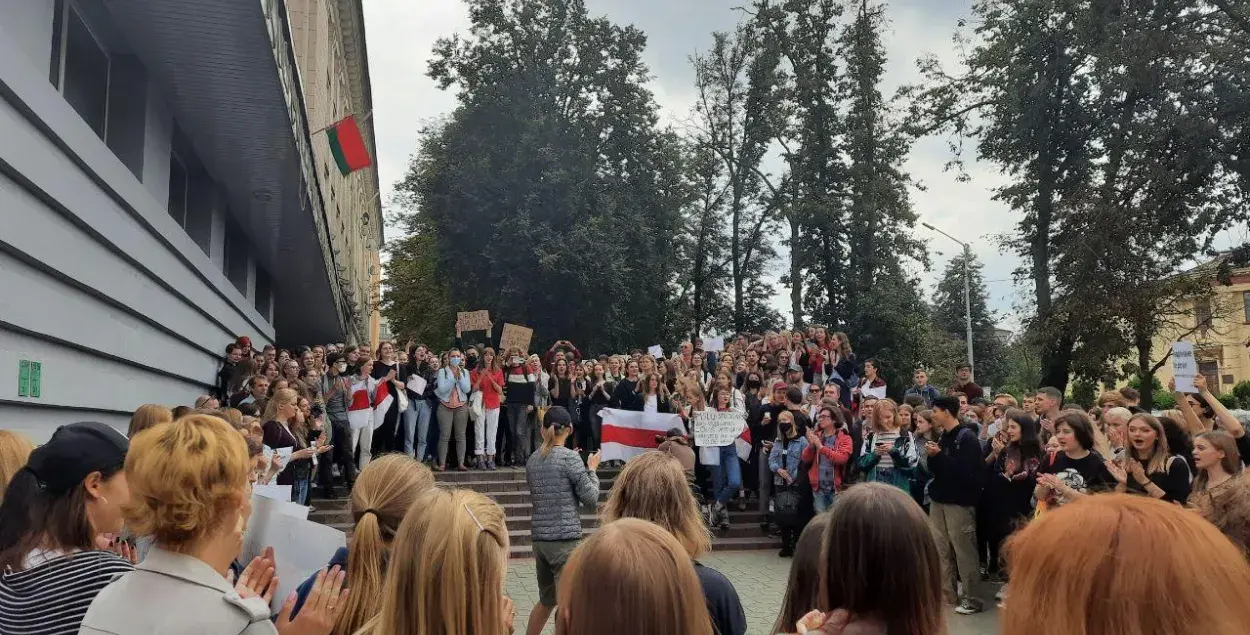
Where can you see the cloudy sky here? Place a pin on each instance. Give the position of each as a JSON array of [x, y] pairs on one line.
[[402, 33]]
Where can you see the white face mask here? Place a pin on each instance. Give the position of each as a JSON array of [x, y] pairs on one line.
[[341, 366]]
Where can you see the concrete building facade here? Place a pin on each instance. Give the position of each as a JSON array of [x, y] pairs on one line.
[[163, 190]]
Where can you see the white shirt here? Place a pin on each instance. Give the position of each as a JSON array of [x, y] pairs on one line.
[[652, 404]]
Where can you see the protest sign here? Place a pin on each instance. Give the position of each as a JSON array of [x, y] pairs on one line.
[[518, 336], [473, 321], [656, 351], [301, 547], [714, 344], [416, 384], [1184, 366], [276, 492], [714, 429]]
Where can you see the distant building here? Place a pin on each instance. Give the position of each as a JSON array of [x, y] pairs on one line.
[[1219, 327], [164, 189]]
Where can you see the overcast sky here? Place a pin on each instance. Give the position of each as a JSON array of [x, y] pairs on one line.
[[401, 34]]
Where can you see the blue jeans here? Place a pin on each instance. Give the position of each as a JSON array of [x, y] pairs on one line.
[[726, 477], [299, 491], [823, 500], [416, 428]]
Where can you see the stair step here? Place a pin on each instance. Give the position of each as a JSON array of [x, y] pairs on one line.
[[763, 543]]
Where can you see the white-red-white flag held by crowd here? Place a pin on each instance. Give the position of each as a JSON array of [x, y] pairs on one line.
[[360, 409], [743, 444], [627, 434], [382, 400]]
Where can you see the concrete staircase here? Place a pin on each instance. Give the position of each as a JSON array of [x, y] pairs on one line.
[[507, 486]]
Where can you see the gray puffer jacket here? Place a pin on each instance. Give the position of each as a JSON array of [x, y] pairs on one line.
[[558, 482]]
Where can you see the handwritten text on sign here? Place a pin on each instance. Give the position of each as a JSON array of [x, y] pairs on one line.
[[713, 428], [518, 336], [473, 320], [1184, 366]]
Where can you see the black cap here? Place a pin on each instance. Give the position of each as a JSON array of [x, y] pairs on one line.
[[559, 417], [73, 452]]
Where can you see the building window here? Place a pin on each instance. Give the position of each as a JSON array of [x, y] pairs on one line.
[[264, 293], [84, 73], [178, 188], [1245, 300], [236, 265], [1202, 311]]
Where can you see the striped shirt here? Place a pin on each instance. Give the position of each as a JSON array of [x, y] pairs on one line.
[[52, 598]]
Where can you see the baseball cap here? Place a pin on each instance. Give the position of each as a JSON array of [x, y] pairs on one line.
[[559, 417], [781, 385], [73, 452]]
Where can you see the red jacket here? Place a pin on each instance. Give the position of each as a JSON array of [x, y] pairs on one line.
[[839, 454]]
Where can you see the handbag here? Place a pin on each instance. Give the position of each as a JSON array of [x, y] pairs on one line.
[[786, 503], [476, 409]]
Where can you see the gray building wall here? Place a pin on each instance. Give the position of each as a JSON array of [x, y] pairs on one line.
[[97, 281]]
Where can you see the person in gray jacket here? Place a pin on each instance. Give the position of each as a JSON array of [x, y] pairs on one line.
[[558, 484]]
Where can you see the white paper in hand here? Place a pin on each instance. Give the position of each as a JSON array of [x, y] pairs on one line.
[[655, 351], [416, 384], [714, 344], [1184, 366]]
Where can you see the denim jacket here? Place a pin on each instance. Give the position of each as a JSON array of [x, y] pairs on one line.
[[788, 456], [446, 380]]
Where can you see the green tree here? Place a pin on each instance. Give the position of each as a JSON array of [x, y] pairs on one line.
[[949, 316], [551, 195]]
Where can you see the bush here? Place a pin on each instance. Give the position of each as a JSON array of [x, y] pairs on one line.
[[1230, 401], [1242, 393], [1163, 400]]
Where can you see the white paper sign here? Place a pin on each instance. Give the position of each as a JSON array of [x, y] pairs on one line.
[[416, 384], [276, 492], [655, 351], [301, 547], [1184, 366], [284, 454], [715, 429], [714, 344]]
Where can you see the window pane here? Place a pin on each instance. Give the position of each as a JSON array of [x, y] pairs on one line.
[[1202, 310], [236, 256], [86, 74], [177, 190], [263, 291]]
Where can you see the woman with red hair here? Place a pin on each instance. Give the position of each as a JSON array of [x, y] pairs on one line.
[[1140, 566]]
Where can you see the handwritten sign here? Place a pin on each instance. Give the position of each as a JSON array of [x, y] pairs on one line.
[[656, 351], [1184, 366], [715, 429], [473, 320], [518, 336]]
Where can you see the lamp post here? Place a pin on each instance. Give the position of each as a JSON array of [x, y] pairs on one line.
[[967, 292]]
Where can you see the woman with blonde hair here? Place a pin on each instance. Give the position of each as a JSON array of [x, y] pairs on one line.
[[889, 453], [653, 487], [1221, 492], [1140, 566], [284, 428], [383, 494], [447, 569], [14, 450], [190, 494], [1148, 466], [632, 576], [147, 416]]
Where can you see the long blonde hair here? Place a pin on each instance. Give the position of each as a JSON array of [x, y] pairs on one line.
[[447, 568], [1159, 454], [383, 493], [653, 487], [15, 450], [1231, 462], [877, 416], [632, 576], [147, 416]]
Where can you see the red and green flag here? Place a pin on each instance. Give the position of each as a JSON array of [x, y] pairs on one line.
[[347, 146]]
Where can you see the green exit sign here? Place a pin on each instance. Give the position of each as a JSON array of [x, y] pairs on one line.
[[29, 379]]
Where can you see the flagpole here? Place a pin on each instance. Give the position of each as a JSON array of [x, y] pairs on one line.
[[326, 127]]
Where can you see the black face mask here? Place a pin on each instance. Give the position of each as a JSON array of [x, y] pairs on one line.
[[786, 427], [754, 383]]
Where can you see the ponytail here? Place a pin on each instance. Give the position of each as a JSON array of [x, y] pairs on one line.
[[549, 440], [366, 573]]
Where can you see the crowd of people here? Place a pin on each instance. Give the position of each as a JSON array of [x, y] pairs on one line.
[[892, 510]]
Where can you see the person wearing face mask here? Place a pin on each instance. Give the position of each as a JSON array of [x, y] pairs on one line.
[[785, 460], [453, 385]]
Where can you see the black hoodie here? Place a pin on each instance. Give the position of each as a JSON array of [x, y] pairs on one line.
[[958, 470]]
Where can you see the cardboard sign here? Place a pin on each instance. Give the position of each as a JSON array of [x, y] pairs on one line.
[[714, 344], [716, 429], [473, 320], [518, 336], [1184, 366]]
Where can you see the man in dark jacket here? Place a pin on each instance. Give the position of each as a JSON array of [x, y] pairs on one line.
[[957, 468], [226, 372]]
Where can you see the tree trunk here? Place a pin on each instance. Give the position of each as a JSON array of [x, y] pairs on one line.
[[796, 273], [1145, 371]]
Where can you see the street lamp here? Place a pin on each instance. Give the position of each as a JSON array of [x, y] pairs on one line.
[[967, 291]]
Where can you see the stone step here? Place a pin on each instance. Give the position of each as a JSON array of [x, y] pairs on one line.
[[745, 524], [761, 543], [505, 474]]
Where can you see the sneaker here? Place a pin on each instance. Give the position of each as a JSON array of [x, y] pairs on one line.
[[490, 465], [786, 552], [968, 607]]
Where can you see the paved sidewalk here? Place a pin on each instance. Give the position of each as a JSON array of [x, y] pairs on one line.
[[759, 576]]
